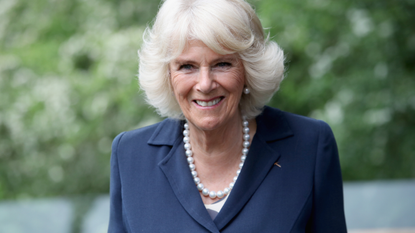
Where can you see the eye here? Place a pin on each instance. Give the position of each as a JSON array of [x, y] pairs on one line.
[[224, 64], [185, 67]]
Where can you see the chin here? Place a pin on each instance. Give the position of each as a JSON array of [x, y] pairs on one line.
[[206, 123]]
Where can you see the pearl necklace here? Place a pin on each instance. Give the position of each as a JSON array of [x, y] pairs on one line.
[[190, 160]]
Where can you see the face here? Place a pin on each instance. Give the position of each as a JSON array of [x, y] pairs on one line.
[[207, 85]]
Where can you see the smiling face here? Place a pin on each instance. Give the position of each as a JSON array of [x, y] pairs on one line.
[[207, 85]]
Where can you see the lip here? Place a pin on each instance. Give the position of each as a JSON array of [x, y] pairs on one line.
[[221, 98]]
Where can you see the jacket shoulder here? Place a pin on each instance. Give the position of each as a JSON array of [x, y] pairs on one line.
[[140, 134], [296, 123], [161, 133], [304, 121]]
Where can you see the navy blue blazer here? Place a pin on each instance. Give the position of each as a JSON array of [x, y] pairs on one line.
[[152, 189]]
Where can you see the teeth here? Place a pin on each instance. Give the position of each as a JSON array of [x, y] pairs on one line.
[[208, 104]]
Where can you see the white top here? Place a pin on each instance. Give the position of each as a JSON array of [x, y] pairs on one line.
[[214, 208]]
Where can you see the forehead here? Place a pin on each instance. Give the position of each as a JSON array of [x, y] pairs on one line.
[[196, 49]]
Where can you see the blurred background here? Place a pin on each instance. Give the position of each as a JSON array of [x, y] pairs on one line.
[[68, 86]]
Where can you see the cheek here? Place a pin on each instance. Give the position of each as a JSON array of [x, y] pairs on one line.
[[237, 82], [180, 86]]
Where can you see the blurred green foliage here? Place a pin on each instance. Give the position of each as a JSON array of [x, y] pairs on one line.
[[352, 64], [68, 85]]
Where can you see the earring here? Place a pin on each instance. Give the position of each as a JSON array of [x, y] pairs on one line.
[[246, 91]]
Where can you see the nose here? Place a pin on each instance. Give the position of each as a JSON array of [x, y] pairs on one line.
[[206, 82]]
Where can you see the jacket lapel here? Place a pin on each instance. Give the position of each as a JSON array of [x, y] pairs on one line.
[[260, 159], [176, 170]]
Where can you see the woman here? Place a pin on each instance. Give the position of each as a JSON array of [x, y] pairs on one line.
[[222, 161]]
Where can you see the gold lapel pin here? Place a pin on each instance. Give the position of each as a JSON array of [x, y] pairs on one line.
[[276, 163]]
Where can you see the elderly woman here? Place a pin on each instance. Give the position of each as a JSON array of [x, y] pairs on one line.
[[222, 161]]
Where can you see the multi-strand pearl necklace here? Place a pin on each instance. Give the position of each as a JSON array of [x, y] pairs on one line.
[[205, 191]]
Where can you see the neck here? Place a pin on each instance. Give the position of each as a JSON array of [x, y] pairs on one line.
[[218, 144]]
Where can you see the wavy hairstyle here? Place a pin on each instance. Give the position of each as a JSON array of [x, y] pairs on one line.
[[226, 27]]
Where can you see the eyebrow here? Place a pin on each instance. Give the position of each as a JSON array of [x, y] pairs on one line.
[[190, 61], [226, 58], [184, 61]]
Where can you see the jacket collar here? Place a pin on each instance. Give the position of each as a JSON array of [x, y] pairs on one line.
[[167, 132], [271, 126]]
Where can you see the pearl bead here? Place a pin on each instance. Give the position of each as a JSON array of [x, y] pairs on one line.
[[212, 194], [192, 167], [246, 130], [246, 144], [205, 192], [186, 132], [243, 158], [245, 151], [200, 186], [194, 173], [235, 178], [245, 123], [190, 159], [231, 185], [238, 172], [197, 180], [246, 137], [189, 153], [186, 125], [186, 139], [187, 146], [226, 191], [220, 194], [241, 165]]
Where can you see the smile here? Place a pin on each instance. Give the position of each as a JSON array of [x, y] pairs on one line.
[[208, 103]]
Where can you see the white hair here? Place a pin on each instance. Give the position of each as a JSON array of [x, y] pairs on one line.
[[226, 27]]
